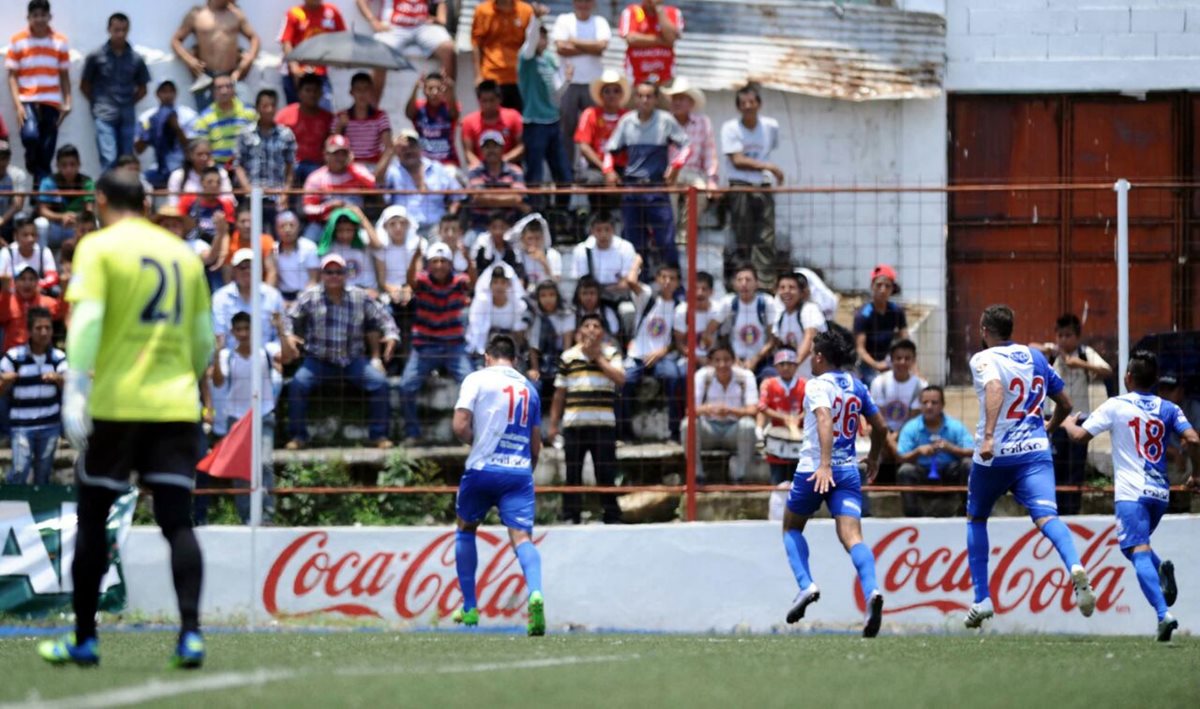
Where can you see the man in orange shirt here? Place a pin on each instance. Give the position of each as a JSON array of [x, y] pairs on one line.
[[305, 21], [14, 307], [497, 33], [38, 60]]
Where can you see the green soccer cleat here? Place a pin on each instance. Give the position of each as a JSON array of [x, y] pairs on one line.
[[466, 618], [65, 651], [189, 653], [537, 615]]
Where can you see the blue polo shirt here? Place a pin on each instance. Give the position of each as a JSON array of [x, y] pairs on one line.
[[114, 78], [914, 435]]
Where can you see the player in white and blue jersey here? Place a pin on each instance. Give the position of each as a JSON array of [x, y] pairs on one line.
[[828, 472], [1012, 452], [500, 414], [1139, 423]]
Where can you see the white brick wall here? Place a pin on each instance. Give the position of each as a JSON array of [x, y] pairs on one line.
[[1072, 45]]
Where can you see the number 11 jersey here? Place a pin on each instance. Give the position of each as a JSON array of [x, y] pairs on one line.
[[1027, 379], [505, 410], [156, 303]]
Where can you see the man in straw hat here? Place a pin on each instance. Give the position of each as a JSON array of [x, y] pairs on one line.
[[609, 94], [700, 171]]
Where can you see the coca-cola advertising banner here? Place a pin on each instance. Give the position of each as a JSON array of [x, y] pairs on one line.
[[727, 576]]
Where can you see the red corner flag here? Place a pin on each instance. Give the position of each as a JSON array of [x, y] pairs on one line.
[[231, 457]]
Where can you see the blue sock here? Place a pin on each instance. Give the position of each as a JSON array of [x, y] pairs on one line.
[[796, 547], [1056, 531], [1157, 561], [978, 552], [1143, 563], [864, 561], [465, 560], [531, 564]]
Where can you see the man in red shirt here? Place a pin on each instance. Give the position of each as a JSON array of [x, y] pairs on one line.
[[491, 116], [610, 94], [497, 33], [311, 125], [650, 29], [405, 23], [302, 22], [15, 305], [781, 415], [333, 186]]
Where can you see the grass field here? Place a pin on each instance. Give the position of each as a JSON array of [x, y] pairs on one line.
[[382, 669]]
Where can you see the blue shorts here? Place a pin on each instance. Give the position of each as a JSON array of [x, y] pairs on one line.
[[1136, 521], [844, 500], [1032, 483], [512, 493]]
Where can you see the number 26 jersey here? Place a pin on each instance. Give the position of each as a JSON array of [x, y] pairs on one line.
[[1027, 379], [847, 399]]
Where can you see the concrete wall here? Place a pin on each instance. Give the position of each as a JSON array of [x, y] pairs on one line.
[[1130, 46]]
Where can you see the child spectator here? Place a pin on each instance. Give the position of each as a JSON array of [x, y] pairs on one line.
[[266, 153], [897, 392], [435, 118], [499, 312], [25, 252], [310, 123], [366, 127], [800, 320], [39, 83], [61, 211], [403, 243], [295, 257], [349, 235], [877, 323], [208, 205], [232, 374], [587, 301], [450, 233], [440, 300], [551, 332], [652, 349], [726, 404], [709, 316], [495, 246], [15, 308], [538, 78], [492, 117], [33, 373], [609, 259], [12, 179], [536, 254], [240, 239], [751, 318], [187, 178], [497, 32], [781, 415]]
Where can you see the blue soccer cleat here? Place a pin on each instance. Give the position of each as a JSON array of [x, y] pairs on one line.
[[189, 653], [65, 651]]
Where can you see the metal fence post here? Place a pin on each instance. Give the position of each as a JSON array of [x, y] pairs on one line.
[[691, 449], [1121, 187]]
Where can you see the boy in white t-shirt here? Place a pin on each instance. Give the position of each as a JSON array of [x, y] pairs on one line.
[[709, 316], [799, 319], [749, 326], [25, 252], [897, 393], [651, 349]]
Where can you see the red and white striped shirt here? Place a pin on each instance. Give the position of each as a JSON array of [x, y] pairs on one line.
[[366, 134], [36, 62]]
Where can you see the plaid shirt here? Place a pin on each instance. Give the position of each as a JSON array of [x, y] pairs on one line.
[[266, 159], [703, 142], [335, 332]]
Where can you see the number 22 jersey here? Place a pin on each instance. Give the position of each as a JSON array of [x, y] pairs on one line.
[[846, 398], [1027, 379], [1139, 425]]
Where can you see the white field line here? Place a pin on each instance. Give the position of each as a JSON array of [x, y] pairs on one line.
[[159, 689]]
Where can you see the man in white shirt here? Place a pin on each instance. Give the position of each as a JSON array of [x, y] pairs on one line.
[[609, 259], [749, 326], [726, 403], [747, 143], [580, 38], [709, 316], [652, 349]]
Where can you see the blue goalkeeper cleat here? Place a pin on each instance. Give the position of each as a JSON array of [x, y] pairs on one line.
[[189, 653], [65, 651], [537, 615]]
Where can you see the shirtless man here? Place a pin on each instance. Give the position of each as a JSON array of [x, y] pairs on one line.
[[216, 26]]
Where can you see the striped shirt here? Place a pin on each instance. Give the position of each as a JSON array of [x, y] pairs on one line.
[[322, 183], [365, 135], [37, 63], [34, 402], [222, 128], [591, 396], [334, 332], [440, 309]]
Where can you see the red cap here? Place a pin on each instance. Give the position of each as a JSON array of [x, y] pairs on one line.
[[335, 143], [888, 272]]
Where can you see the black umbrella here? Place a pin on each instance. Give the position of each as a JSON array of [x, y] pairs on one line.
[[348, 50]]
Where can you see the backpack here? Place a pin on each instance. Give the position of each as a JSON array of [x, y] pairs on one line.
[[760, 305]]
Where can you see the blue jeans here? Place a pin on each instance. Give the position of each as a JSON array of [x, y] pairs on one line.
[[543, 144], [668, 370], [114, 138], [39, 135], [359, 372], [33, 450], [421, 362], [647, 216]]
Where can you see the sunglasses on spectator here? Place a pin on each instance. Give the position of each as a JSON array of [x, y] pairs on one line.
[[334, 272]]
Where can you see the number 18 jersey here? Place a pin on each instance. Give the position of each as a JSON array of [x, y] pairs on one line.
[[157, 330], [505, 410], [847, 399], [1139, 425], [1027, 379]]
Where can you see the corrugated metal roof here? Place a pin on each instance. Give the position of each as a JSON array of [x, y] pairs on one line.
[[854, 52]]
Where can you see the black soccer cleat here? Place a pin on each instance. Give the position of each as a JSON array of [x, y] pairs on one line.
[[874, 615], [1166, 579], [804, 599]]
